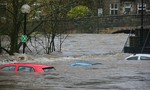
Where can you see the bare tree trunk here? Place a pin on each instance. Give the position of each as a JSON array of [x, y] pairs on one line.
[[0, 45], [52, 44], [14, 42], [14, 32]]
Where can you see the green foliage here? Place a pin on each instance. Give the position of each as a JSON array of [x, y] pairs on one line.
[[79, 12]]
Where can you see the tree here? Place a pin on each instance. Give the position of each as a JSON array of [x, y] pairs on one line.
[[56, 15], [79, 12], [91, 4], [50, 16], [14, 22]]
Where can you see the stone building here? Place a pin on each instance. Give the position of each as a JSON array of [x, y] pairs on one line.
[[123, 7]]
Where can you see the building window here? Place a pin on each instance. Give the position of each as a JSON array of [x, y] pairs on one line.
[[100, 11], [127, 7], [114, 9], [139, 8]]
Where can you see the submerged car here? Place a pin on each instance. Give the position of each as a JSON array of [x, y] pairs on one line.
[[26, 67], [138, 57]]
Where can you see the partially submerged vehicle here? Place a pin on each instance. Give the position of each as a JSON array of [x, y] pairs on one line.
[[25, 67], [138, 57]]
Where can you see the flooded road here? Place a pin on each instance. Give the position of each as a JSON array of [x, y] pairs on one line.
[[114, 73]]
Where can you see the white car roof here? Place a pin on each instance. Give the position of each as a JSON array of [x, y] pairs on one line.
[[141, 55], [147, 55]]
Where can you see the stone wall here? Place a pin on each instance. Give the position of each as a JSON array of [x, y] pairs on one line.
[[96, 24]]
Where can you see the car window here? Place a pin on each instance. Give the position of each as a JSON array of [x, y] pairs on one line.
[[8, 68], [133, 58], [144, 58], [26, 69], [49, 69]]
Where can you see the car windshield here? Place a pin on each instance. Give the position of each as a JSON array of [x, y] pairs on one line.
[[48, 69], [133, 58]]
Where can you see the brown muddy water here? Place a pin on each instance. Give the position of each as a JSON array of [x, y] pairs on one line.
[[113, 72]]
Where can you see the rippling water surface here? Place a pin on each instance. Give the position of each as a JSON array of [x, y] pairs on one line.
[[114, 73]]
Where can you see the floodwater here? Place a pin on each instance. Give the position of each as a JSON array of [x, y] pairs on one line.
[[113, 72]]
